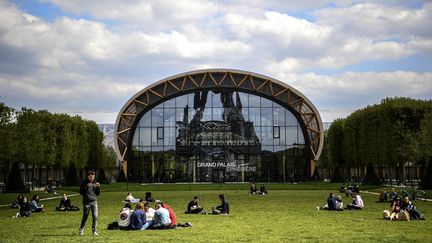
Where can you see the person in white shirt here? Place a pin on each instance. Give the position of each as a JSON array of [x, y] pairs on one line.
[[130, 198], [124, 216], [150, 212], [357, 202], [339, 204]]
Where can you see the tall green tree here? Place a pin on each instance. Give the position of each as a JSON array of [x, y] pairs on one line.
[[95, 145], [65, 140], [9, 143], [80, 142], [426, 150], [31, 140], [336, 138]]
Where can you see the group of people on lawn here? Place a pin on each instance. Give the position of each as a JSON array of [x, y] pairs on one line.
[[335, 203], [254, 191], [400, 208], [26, 207], [162, 216]]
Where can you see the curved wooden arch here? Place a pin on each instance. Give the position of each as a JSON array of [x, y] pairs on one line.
[[210, 79]]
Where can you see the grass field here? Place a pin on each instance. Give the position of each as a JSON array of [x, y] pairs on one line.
[[284, 215]]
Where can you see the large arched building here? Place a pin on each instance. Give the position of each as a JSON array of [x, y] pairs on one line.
[[218, 125]]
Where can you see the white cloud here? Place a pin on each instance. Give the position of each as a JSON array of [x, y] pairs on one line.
[[153, 15], [88, 64], [357, 89], [380, 21]]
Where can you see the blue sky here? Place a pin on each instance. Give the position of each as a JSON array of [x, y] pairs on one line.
[[89, 57]]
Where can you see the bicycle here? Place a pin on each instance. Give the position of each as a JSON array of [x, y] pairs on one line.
[[412, 193]]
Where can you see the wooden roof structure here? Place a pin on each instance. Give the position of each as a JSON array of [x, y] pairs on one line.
[[218, 79]]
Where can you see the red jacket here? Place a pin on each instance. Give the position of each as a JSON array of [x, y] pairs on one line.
[[171, 214]]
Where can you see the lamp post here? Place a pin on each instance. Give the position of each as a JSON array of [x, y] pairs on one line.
[[377, 149], [297, 147]]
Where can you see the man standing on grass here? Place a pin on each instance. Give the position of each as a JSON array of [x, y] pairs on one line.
[[89, 189]]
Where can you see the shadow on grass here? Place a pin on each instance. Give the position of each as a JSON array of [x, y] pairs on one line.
[[56, 235]]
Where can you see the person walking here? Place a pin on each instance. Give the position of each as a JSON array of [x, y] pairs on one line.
[[89, 189]]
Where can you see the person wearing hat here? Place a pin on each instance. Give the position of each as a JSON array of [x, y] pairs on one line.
[[89, 189]]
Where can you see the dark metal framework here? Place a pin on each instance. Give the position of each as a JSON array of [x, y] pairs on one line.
[[211, 79]]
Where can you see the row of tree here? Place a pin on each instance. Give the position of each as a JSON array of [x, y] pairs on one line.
[[39, 140], [385, 136]]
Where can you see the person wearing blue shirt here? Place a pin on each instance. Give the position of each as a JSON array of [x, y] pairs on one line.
[[34, 204], [138, 217], [161, 218], [223, 208]]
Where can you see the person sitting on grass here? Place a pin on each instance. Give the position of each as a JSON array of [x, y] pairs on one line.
[[383, 196], [162, 218], [171, 213], [25, 209], [35, 204], [408, 206], [149, 211], [148, 197], [138, 218], [332, 201], [124, 217], [253, 189], [17, 202], [130, 198], [222, 209], [357, 202], [66, 205], [263, 190], [339, 204], [49, 188], [193, 206], [395, 208], [393, 194]]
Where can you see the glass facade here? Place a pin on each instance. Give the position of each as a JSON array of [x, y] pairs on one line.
[[218, 136]]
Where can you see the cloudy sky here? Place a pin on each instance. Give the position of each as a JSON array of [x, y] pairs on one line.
[[88, 58]]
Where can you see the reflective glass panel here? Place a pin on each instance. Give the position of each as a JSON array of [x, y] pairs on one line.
[[218, 136], [181, 101], [169, 117], [157, 117]]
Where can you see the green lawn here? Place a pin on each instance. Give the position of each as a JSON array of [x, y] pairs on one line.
[[281, 216]]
